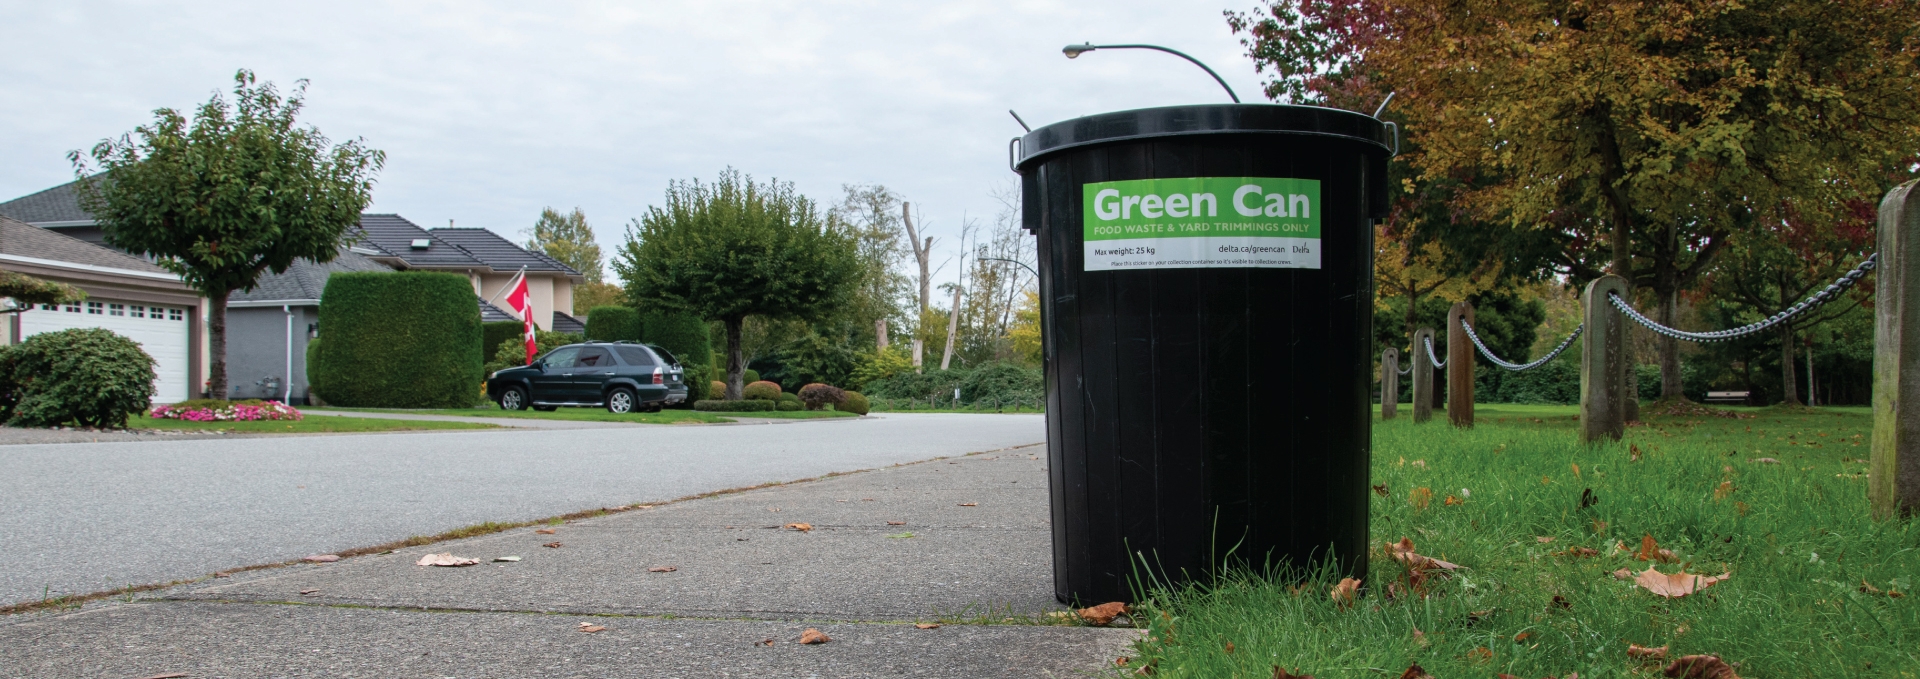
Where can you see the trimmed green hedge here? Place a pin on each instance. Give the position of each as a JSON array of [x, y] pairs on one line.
[[494, 332], [614, 324], [404, 339], [856, 403], [685, 335], [745, 405]]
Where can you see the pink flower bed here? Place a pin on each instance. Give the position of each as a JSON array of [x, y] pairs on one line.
[[233, 412]]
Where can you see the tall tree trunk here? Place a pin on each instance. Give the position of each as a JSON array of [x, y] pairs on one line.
[[1789, 382], [1670, 380], [922, 252], [953, 328], [736, 365], [217, 345]]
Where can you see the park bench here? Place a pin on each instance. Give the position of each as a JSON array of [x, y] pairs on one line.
[[1727, 396]]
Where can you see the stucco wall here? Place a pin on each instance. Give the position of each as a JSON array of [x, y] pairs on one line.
[[257, 349], [548, 292]]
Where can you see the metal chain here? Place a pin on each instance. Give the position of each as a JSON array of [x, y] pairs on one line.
[[1823, 296], [1437, 363], [1464, 325]]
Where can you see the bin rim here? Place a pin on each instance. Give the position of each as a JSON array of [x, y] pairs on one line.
[[1204, 119]]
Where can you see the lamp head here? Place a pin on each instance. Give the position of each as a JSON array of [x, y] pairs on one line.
[[1073, 51]]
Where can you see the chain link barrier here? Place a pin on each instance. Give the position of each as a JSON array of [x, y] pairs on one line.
[[1516, 367], [1435, 360], [1825, 295]]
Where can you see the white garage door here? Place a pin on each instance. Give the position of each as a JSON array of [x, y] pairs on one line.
[[160, 330]]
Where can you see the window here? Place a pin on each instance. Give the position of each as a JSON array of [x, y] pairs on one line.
[[561, 357], [96, 308], [592, 357], [49, 307], [175, 315], [73, 307], [635, 356], [137, 311], [116, 309]]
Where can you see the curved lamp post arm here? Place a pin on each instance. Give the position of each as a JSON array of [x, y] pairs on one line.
[[1036, 274], [1073, 51]]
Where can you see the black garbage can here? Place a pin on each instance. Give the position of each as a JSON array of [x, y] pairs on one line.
[[1206, 290]]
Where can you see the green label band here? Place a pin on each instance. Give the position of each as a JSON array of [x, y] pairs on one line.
[[1202, 223]]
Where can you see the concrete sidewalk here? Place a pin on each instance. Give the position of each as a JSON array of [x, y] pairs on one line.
[[972, 546]]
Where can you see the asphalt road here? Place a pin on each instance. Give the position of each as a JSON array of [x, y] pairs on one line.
[[85, 517]]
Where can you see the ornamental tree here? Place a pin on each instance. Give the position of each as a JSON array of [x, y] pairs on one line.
[[242, 191], [735, 248]]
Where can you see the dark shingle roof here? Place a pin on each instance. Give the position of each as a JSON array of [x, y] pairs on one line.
[[26, 240], [499, 253], [58, 204], [490, 313], [306, 279], [565, 323], [395, 235]]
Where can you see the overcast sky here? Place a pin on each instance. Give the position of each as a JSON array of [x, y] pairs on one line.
[[489, 111]]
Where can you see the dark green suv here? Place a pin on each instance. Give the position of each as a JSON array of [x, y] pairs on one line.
[[624, 377]]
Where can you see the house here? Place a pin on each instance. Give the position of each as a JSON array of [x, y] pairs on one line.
[[268, 327], [486, 259], [126, 294]]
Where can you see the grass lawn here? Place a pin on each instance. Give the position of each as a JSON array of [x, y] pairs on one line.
[[794, 414], [1812, 574], [304, 426], [580, 414]]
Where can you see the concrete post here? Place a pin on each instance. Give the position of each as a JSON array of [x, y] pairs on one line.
[[1603, 352], [1389, 383], [1893, 474], [1459, 367], [1422, 376]]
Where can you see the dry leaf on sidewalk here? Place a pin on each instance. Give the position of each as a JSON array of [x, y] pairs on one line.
[[591, 628], [169, 675], [505, 559], [969, 504], [445, 559], [813, 636], [1700, 667], [1104, 613], [1675, 585], [322, 558], [896, 523], [927, 625], [663, 569], [802, 527], [544, 531], [309, 592], [553, 545]]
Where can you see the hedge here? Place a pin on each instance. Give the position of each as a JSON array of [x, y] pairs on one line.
[[404, 339], [494, 332], [613, 324], [746, 405], [685, 336]]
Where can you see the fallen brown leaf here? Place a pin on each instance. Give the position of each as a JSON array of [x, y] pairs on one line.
[[1700, 667], [1543, 539], [169, 675], [1103, 613], [1378, 489], [1345, 592], [1562, 602], [1419, 497], [1480, 655], [322, 558], [1451, 501], [544, 531], [802, 527], [1576, 470], [1722, 491], [763, 642], [1283, 674], [1638, 652], [222, 574], [1741, 506], [445, 559], [969, 504], [1623, 574], [309, 592], [1517, 638], [1419, 638], [813, 636], [1675, 585], [1599, 526], [1580, 552], [1415, 671], [1402, 552], [1635, 449], [591, 628], [1651, 551], [553, 545], [935, 625], [663, 569], [896, 523], [1229, 648]]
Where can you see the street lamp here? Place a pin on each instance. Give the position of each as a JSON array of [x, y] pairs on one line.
[[1074, 52]]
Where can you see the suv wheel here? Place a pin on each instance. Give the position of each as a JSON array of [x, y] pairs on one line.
[[514, 398], [621, 401]]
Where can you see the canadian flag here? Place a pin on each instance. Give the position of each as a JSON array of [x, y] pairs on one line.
[[521, 304]]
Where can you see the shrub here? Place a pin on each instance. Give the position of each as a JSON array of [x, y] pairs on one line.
[[1001, 383], [875, 365], [817, 394], [683, 335], [214, 410], [613, 324], [717, 390], [789, 398], [748, 405], [752, 376], [761, 390], [495, 332], [786, 405], [405, 339], [85, 376], [856, 403], [512, 353]]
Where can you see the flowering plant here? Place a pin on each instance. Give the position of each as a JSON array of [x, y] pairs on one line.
[[209, 410]]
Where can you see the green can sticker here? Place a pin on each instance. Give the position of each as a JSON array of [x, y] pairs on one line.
[[1203, 223]]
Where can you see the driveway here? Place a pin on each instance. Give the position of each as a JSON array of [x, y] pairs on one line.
[[85, 517]]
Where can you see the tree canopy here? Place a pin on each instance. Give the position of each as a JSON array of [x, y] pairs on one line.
[[568, 238]]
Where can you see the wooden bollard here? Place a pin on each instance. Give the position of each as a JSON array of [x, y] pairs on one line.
[[1603, 388], [1422, 376], [1389, 383], [1893, 474], [1459, 367]]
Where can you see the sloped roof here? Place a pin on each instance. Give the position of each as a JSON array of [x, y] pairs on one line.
[[21, 239], [490, 313], [306, 279], [394, 234], [58, 204], [566, 323], [499, 253]]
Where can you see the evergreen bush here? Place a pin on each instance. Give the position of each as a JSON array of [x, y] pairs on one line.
[[405, 339], [761, 390], [613, 324], [683, 335], [856, 403], [817, 394], [745, 405], [717, 390], [89, 377], [492, 333]]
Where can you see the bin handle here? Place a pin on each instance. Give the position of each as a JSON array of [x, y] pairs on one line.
[[1013, 154], [1396, 137]]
